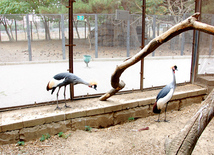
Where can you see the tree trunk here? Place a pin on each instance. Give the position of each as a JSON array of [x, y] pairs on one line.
[[187, 138], [134, 36], [190, 23], [7, 31], [47, 31], [89, 31], [4, 22], [36, 25]]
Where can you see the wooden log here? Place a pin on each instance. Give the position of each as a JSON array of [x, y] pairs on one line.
[[112, 91], [187, 138]]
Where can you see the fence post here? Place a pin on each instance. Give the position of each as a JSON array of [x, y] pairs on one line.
[[28, 37], [128, 36], [0, 32], [16, 30], [183, 39], [60, 29], [96, 37], [195, 47], [142, 43], [211, 37], [63, 37], [153, 30]]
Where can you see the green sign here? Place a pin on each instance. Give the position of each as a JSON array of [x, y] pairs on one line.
[[80, 17]]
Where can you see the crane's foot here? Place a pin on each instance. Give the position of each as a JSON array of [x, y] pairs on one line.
[[67, 106], [166, 120], [57, 108], [157, 120]]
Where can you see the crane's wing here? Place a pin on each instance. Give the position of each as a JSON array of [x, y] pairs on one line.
[[69, 78], [163, 92], [61, 76]]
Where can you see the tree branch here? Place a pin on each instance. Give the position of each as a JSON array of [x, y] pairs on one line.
[[190, 23]]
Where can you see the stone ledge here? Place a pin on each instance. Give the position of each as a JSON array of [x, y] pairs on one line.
[[96, 111], [110, 114]]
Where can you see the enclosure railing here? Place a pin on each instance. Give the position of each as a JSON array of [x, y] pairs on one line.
[[101, 36], [99, 30]]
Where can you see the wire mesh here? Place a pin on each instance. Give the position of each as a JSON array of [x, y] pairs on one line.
[[107, 40], [206, 51]]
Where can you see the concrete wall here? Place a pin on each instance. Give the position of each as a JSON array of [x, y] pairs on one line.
[[95, 118]]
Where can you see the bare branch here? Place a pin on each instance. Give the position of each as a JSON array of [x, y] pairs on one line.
[[190, 23]]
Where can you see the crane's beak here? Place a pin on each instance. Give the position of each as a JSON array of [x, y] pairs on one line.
[[174, 68], [93, 86]]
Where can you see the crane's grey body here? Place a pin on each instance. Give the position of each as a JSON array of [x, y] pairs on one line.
[[63, 79], [165, 95], [67, 78]]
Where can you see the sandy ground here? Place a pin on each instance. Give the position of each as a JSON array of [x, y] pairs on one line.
[[124, 139], [52, 50]]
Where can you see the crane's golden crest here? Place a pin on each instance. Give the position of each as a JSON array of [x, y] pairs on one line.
[[93, 83], [174, 67]]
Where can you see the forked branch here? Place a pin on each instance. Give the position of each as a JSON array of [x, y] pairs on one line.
[[190, 23]]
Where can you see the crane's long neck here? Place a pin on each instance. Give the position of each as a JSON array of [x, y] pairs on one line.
[[84, 82], [173, 78]]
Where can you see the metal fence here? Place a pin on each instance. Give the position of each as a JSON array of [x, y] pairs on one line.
[[99, 34], [42, 38], [206, 50]]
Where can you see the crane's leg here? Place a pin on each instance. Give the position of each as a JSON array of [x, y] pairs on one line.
[[66, 106], [57, 94], [158, 118], [165, 113]]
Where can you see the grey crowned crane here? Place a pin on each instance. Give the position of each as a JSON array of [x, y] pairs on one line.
[[165, 95], [63, 79]]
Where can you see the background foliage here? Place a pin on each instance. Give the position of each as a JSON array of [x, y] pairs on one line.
[[154, 7]]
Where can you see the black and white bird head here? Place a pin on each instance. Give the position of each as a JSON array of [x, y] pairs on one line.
[[93, 85], [174, 68]]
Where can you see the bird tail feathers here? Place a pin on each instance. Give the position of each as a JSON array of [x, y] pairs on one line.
[[155, 108]]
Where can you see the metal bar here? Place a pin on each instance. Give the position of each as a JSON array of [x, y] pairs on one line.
[[80, 97], [59, 29], [63, 36], [28, 38], [183, 39], [195, 47], [128, 37], [16, 30], [96, 37], [85, 29], [0, 32], [142, 43], [70, 14], [154, 30], [211, 37], [31, 30]]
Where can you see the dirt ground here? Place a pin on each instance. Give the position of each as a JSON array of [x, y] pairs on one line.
[[123, 139], [52, 50]]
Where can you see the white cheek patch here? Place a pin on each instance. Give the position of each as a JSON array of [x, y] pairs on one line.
[[54, 82]]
